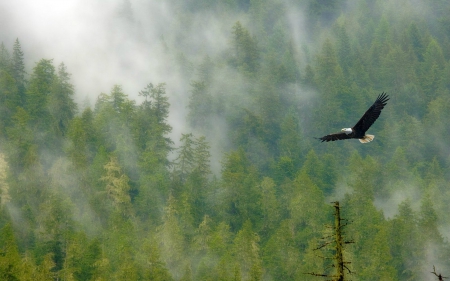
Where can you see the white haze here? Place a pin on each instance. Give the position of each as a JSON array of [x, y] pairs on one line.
[[103, 44]]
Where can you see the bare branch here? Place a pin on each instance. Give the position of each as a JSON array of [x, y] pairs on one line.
[[323, 245], [316, 274], [441, 278]]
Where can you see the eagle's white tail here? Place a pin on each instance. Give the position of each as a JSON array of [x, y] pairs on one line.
[[367, 138]]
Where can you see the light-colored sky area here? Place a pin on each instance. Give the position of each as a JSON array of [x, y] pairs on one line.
[[89, 37], [104, 43]]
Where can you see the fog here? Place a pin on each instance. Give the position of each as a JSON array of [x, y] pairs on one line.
[[104, 43], [133, 43]]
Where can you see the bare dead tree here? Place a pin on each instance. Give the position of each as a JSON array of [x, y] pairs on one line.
[[337, 239], [439, 276]]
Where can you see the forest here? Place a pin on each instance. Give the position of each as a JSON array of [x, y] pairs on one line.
[[114, 188]]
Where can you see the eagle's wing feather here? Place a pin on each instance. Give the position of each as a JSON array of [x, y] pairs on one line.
[[335, 137], [371, 114]]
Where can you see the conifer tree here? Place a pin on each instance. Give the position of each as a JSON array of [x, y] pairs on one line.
[[406, 256], [5, 58], [242, 194], [200, 106], [428, 221], [247, 253], [153, 114], [10, 261], [282, 258], [22, 152], [184, 164], [270, 205], [432, 67], [150, 260], [117, 187], [246, 53], [37, 98], [416, 41], [61, 104], [171, 238], [77, 149], [18, 71], [9, 101]]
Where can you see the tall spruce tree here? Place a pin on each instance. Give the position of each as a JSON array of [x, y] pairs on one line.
[[18, 71], [61, 104], [5, 58], [37, 101]]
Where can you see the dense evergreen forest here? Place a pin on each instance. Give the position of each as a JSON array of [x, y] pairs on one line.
[[109, 192]]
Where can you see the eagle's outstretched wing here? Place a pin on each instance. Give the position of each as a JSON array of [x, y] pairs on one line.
[[335, 137], [371, 114]]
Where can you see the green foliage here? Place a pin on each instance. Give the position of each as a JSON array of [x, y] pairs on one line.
[[38, 93], [103, 194], [246, 252], [22, 151], [245, 49], [61, 104], [18, 71], [5, 58], [10, 261], [242, 194], [8, 99], [117, 187], [406, 257], [200, 106]]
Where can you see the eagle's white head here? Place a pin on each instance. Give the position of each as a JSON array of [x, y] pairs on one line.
[[347, 130]]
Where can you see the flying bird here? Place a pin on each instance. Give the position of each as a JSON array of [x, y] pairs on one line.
[[359, 130]]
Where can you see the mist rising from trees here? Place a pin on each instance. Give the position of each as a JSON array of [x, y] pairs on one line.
[[173, 140]]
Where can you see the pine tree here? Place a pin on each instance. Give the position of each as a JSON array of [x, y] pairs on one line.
[[77, 149], [61, 104], [5, 196], [241, 191], [8, 100], [113, 123], [37, 96], [281, 255], [199, 180], [22, 152], [171, 238], [160, 107], [432, 68], [247, 253], [416, 41], [405, 244], [344, 50], [200, 106], [5, 58], [332, 85], [18, 71], [306, 205], [246, 53], [270, 206], [117, 187], [153, 114], [10, 261], [184, 164], [86, 257], [150, 259], [428, 221]]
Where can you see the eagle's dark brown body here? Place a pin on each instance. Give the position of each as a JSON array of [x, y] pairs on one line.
[[359, 130]]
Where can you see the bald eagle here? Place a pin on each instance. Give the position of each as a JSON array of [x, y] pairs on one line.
[[359, 130]]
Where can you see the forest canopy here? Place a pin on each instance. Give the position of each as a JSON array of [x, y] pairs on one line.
[[211, 170]]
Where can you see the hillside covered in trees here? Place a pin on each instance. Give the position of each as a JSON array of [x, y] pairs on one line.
[[214, 173]]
